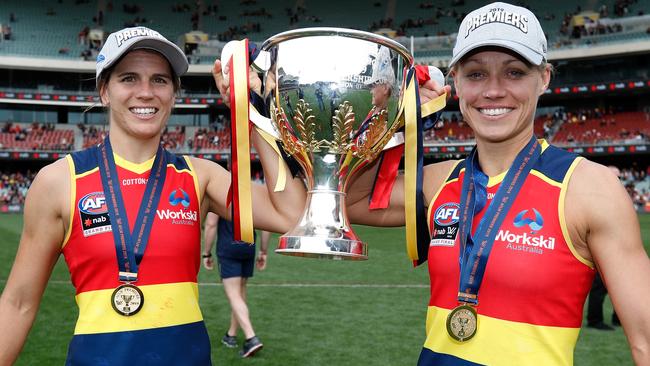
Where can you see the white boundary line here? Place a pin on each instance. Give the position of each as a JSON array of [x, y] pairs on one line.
[[280, 285]]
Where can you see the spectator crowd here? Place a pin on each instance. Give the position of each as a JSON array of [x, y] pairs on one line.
[[14, 186]]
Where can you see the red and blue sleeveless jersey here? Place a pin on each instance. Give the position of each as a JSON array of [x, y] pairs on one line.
[[169, 328], [531, 299]]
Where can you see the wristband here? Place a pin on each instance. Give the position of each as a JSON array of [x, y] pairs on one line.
[[207, 255]]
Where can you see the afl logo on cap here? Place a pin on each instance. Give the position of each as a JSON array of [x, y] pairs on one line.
[[447, 214]]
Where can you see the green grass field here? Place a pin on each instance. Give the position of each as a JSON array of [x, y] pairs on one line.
[[307, 311]]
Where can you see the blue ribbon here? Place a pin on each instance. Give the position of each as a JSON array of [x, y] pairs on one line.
[[475, 250], [130, 246]]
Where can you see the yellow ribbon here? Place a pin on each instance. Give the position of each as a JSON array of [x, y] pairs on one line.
[[433, 105], [242, 140], [411, 160]]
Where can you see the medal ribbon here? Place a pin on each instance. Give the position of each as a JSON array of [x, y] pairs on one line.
[[130, 246], [240, 151], [475, 249], [417, 228]]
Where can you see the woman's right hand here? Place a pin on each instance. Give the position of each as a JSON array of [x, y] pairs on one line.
[[254, 81], [208, 263]]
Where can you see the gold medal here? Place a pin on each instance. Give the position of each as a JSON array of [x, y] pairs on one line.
[[127, 300], [462, 323]]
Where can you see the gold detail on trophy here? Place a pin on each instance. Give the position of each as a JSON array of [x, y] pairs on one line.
[[290, 144], [342, 123], [306, 124], [367, 142]]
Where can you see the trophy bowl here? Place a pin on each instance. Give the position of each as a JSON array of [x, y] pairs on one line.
[[336, 103]]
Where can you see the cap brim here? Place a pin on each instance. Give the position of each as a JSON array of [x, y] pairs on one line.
[[170, 51], [530, 55]]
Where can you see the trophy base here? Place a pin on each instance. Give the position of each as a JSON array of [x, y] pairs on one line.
[[315, 247]]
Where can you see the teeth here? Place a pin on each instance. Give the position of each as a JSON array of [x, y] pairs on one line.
[[143, 110], [494, 111]]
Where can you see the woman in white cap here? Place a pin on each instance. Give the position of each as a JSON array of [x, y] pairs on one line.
[[126, 215], [519, 228]]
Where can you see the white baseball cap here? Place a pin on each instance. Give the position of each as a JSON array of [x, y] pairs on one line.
[[382, 68], [128, 39], [502, 25]]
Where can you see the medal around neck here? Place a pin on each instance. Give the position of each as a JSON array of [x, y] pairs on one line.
[[127, 300], [462, 323], [130, 247]]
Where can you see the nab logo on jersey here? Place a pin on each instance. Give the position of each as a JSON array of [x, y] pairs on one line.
[[447, 214], [182, 198], [93, 203], [93, 214], [535, 225]]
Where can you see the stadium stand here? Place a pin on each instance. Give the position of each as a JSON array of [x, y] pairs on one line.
[[92, 135], [210, 139], [637, 184], [572, 111], [596, 128], [13, 187], [36, 137], [73, 26]]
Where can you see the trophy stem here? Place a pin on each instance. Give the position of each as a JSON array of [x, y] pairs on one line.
[[324, 230]]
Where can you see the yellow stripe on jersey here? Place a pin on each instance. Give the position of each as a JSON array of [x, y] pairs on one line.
[[546, 179], [91, 171], [141, 168], [501, 342], [73, 195], [562, 214], [195, 176], [445, 182], [164, 305], [137, 168], [170, 165]]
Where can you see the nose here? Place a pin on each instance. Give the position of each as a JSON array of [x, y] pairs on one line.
[[145, 90], [494, 88]]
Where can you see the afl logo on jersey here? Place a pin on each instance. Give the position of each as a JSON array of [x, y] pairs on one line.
[[447, 214], [93, 213], [93, 203]]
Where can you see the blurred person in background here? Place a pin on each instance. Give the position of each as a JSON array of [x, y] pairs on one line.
[[236, 261]]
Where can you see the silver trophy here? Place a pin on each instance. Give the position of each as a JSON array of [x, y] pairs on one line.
[[335, 105]]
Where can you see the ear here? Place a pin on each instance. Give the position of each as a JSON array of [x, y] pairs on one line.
[[546, 79], [103, 95], [452, 75]]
